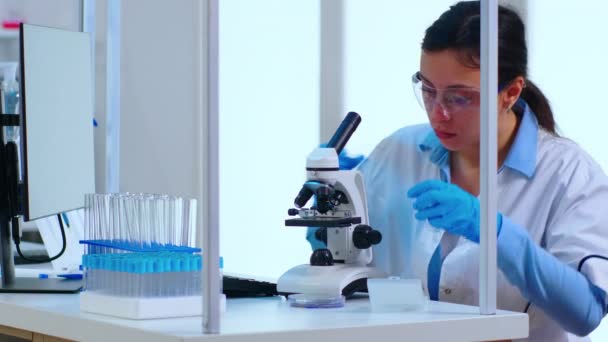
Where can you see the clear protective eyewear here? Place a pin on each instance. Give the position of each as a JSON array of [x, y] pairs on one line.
[[453, 100]]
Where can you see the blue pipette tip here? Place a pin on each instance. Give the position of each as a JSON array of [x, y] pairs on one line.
[[70, 276]]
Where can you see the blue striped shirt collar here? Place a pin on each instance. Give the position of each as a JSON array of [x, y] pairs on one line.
[[521, 157]]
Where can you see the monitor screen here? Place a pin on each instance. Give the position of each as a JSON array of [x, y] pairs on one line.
[[57, 120]]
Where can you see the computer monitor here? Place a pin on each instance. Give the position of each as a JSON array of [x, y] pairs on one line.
[[57, 106], [57, 158]]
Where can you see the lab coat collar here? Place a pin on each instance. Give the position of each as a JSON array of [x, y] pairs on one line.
[[521, 157]]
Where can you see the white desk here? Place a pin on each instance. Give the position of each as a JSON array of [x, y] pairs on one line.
[[266, 319]]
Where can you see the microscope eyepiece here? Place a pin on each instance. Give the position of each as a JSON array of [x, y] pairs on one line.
[[344, 131], [338, 141]]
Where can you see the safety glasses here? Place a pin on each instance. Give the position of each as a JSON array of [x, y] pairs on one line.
[[453, 100]]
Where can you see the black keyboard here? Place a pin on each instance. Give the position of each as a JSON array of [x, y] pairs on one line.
[[240, 287]]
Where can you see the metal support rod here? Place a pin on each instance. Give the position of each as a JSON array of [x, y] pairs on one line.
[[331, 80], [488, 156], [6, 250], [7, 265], [211, 254], [113, 99]]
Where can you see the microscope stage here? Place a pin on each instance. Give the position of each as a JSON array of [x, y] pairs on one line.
[[321, 221]]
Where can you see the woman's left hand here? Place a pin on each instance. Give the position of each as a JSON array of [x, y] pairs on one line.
[[448, 207]]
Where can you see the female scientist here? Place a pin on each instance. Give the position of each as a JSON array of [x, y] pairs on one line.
[[423, 182]]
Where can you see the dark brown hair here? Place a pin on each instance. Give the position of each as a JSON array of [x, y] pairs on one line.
[[459, 29]]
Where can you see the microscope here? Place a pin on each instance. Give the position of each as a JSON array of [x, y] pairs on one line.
[[340, 212]]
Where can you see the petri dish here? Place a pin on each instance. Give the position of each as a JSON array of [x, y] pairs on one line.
[[316, 301]]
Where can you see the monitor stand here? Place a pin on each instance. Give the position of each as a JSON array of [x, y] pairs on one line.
[[36, 285], [9, 204], [12, 284]]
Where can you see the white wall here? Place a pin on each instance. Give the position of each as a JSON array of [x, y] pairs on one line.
[[568, 62], [567, 45], [382, 42], [63, 14], [269, 122], [159, 119]]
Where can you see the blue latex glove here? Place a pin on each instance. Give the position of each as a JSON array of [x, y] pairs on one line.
[[448, 207], [347, 161], [563, 293]]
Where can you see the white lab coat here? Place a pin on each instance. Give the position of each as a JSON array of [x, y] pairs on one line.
[[563, 206]]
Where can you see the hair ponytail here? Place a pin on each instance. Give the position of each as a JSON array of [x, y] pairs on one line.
[[539, 104]]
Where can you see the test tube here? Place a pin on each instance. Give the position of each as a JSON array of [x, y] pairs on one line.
[[118, 224], [112, 224], [162, 219], [185, 217], [154, 218], [132, 212], [160, 222], [103, 219], [94, 217], [188, 212], [98, 220], [192, 223], [169, 230], [150, 219], [92, 222], [86, 217], [168, 224], [144, 219], [177, 223], [124, 223], [167, 220]]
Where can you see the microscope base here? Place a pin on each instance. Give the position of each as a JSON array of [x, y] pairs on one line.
[[338, 278]]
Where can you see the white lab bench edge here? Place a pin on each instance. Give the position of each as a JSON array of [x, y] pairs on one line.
[[263, 319]]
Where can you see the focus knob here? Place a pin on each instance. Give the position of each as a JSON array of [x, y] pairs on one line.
[[364, 236], [321, 257]]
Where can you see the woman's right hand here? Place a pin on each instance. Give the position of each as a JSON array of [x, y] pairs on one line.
[[346, 160]]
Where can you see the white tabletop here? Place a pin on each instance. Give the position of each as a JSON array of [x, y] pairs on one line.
[[264, 319]]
